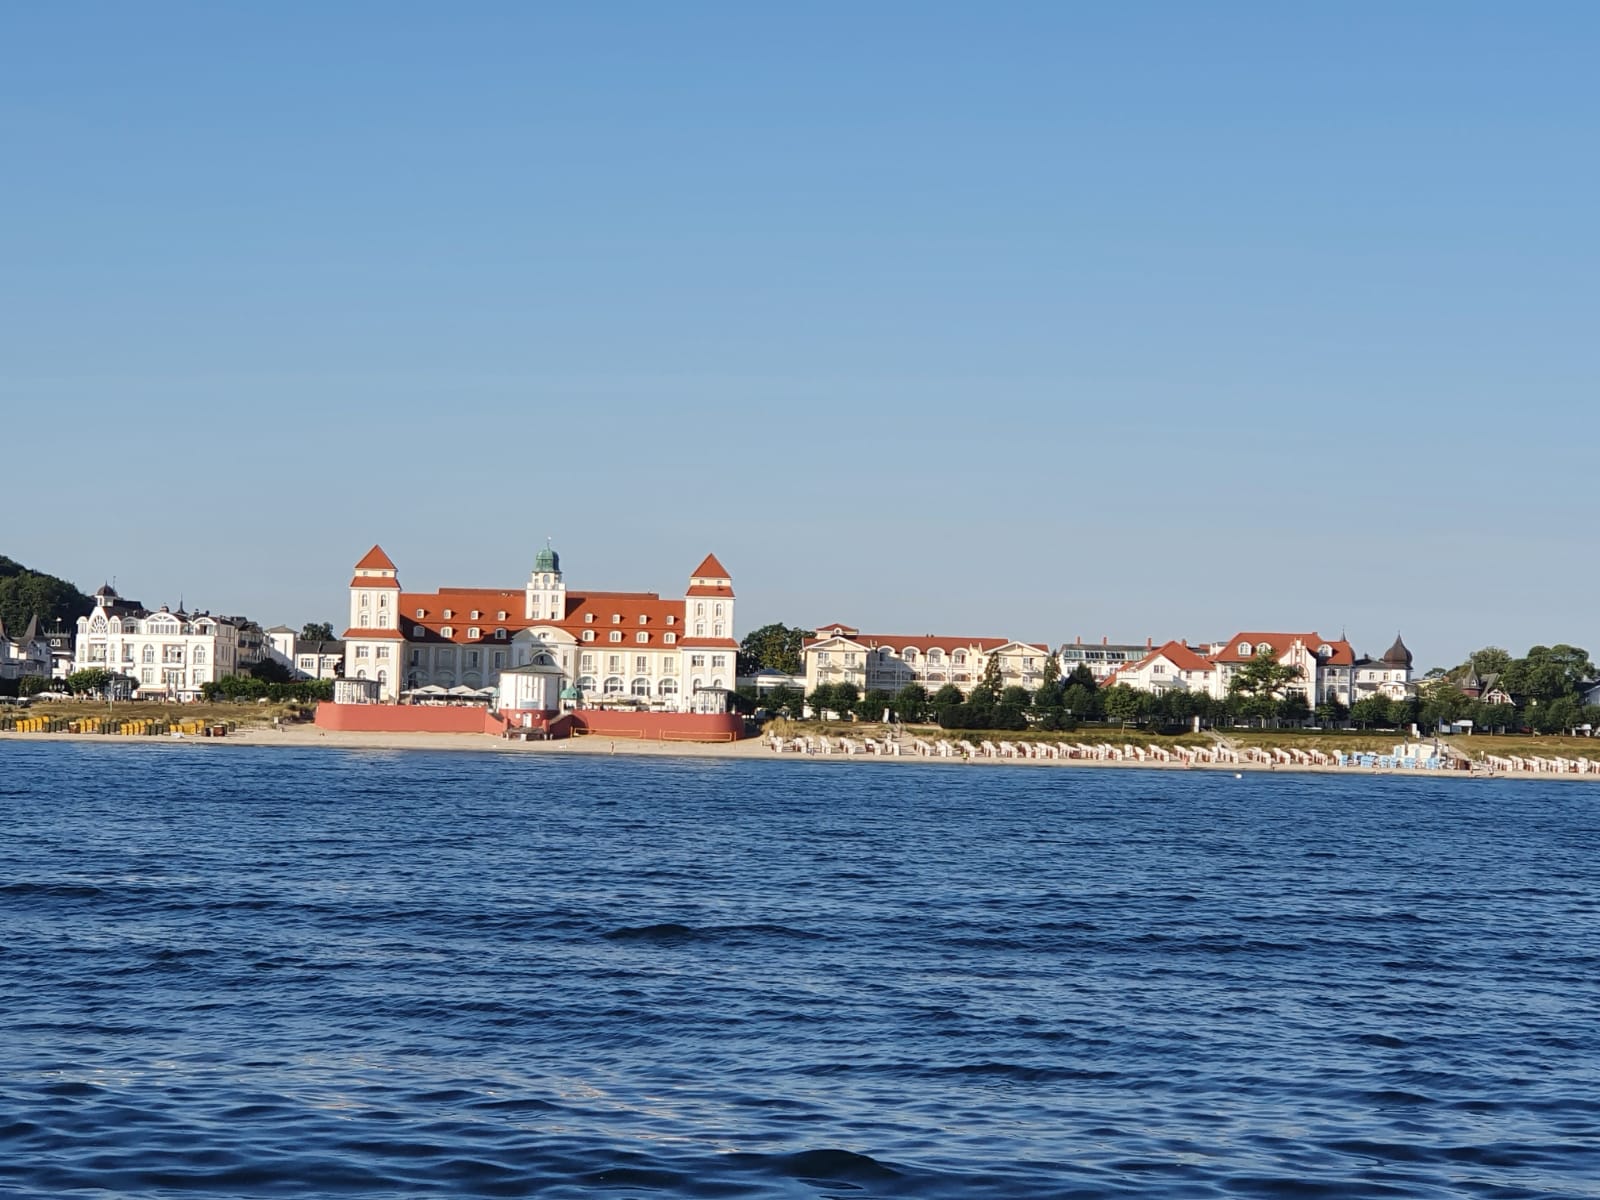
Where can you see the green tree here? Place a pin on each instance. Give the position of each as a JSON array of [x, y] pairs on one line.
[[775, 647], [32, 685], [316, 631], [946, 697], [1547, 672], [1491, 660], [1262, 676], [1014, 697], [88, 681], [270, 670], [991, 679], [1404, 711], [1370, 711], [822, 699], [1293, 707], [911, 702], [1082, 677], [782, 699], [846, 696], [1561, 715], [872, 705], [1122, 704], [1083, 703], [1443, 704], [1332, 712], [26, 593]]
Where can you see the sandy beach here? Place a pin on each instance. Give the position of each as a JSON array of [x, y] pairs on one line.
[[310, 737]]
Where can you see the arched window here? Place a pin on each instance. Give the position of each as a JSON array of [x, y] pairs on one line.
[[588, 635], [199, 655], [910, 654], [718, 609], [700, 608], [586, 683], [362, 673], [716, 683], [613, 685], [641, 687], [960, 657], [1245, 649], [149, 654], [383, 600], [383, 677], [366, 600], [1263, 647], [667, 687], [935, 656]]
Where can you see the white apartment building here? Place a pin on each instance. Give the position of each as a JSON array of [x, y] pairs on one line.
[[888, 662], [168, 654]]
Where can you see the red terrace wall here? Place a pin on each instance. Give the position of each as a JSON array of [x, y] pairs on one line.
[[406, 718], [660, 727], [427, 718]]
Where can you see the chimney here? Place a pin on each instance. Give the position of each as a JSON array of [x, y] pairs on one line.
[[1079, 640], [1148, 643], [1104, 640]]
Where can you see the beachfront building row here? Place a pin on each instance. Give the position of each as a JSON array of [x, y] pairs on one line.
[[884, 662], [641, 649], [166, 653], [1325, 669]]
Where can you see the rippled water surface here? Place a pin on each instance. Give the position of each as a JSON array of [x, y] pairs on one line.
[[227, 971]]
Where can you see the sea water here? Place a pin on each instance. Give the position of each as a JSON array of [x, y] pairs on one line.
[[261, 972]]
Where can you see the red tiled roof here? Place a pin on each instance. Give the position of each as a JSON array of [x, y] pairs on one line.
[[1342, 655], [367, 635], [374, 581], [1179, 656], [710, 568], [628, 607], [376, 559], [925, 643], [705, 589]]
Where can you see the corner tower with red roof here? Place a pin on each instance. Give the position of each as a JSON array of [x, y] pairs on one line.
[[372, 642], [709, 648]]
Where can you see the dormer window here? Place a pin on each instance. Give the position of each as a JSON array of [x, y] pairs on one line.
[[448, 614], [616, 635], [1263, 647], [1324, 651], [616, 618], [588, 618], [475, 614], [421, 612], [1245, 650], [501, 615], [418, 630], [643, 619], [473, 632], [641, 638], [670, 639], [446, 631], [588, 635], [671, 620], [500, 635]]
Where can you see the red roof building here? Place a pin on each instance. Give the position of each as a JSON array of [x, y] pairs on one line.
[[637, 649]]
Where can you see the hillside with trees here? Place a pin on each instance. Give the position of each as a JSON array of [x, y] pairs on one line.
[[25, 592]]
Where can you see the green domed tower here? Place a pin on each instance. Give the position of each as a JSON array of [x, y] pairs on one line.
[[546, 593]]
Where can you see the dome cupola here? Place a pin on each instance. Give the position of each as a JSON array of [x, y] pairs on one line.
[[1397, 655]]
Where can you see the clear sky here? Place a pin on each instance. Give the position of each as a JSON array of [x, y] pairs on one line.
[[1033, 320]]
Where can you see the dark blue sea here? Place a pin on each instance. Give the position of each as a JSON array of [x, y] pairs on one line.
[[261, 972]]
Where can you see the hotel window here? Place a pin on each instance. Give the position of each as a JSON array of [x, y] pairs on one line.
[[383, 652], [718, 660], [613, 662], [473, 631], [643, 619], [148, 675], [641, 638], [366, 620], [199, 654], [501, 616], [670, 639], [362, 651], [476, 614], [697, 660], [416, 657], [500, 635], [700, 608], [366, 600], [822, 658], [671, 620], [616, 635], [448, 614], [588, 618], [586, 663], [641, 664], [472, 658], [446, 631], [499, 659], [718, 610], [699, 629], [149, 654], [616, 618], [588, 635], [418, 630], [718, 631], [383, 601], [422, 612]]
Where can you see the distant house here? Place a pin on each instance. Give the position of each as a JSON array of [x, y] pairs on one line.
[[27, 653], [1172, 667], [1103, 659], [305, 659]]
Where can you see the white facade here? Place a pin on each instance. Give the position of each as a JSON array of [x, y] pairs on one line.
[[889, 662], [167, 654]]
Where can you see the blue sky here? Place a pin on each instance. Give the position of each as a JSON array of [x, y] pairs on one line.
[[1035, 320]]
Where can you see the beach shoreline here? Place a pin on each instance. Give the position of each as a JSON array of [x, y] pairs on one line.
[[311, 737]]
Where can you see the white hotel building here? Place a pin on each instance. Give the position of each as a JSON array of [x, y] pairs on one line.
[[168, 654]]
